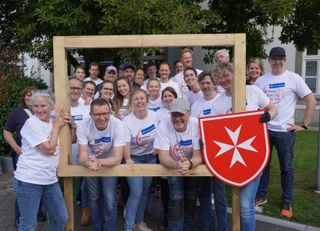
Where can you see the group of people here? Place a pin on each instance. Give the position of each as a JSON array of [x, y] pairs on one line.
[[133, 120]]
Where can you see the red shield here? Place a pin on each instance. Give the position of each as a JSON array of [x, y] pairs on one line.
[[236, 146]]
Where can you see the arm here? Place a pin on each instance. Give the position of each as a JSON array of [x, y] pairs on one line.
[[270, 111], [187, 165], [11, 141], [166, 160], [308, 113], [73, 128], [113, 160], [126, 153]]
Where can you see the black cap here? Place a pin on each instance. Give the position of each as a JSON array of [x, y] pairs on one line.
[[277, 51], [128, 65]]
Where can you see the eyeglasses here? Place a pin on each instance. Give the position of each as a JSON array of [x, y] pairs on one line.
[[98, 115], [75, 88]]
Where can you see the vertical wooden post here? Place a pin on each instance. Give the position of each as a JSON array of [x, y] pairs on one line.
[[238, 104], [62, 102]]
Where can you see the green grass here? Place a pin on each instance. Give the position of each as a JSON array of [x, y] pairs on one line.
[[306, 202]]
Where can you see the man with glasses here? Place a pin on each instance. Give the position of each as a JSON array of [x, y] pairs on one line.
[[283, 88], [101, 143]]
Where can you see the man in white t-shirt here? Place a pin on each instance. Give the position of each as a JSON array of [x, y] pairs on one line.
[[186, 60], [164, 72], [94, 72], [101, 143], [177, 140], [283, 89]]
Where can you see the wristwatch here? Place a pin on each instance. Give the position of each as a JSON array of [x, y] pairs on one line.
[[303, 126], [191, 165]]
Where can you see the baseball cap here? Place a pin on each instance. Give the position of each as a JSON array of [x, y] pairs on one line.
[[111, 68], [277, 51], [128, 65], [179, 105]]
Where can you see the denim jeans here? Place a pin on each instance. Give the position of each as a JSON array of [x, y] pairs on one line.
[[220, 204], [85, 200], [284, 144], [102, 202], [204, 195], [182, 202], [139, 191], [247, 199], [29, 197]]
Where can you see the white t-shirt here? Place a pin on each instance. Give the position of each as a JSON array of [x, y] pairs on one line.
[[163, 113], [154, 105], [123, 110], [172, 84], [179, 144], [141, 132], [101, 143], [96, 81], [255, 99], [192, 97], [179, 78], [283, 91], [78, 113], [34, 166], [203, 107]]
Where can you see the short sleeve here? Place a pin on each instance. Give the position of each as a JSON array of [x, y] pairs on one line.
[[162, 138]]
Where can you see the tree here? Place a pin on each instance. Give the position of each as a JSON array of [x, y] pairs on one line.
[[303, 26]]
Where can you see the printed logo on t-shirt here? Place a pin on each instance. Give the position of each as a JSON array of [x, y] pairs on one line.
[[277, 85], [145, 136], [77, 117], [154, 108], [181, 150], [207, 111], [275, 92], [100, 146], [102, 139]]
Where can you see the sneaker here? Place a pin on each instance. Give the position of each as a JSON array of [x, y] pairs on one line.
[[286, 210], [85, 217], [142, 227], [260, 201]]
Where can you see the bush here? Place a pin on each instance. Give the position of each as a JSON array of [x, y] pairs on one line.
[[12, 84]]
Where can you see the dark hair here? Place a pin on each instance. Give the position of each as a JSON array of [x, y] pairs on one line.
[[190, 68], [94, 64], [118, 99], [99, 102], [204, 74], [89, 82], [24, 92], [153, 79], [177, 61], [171, 90], [104, 82], [79, 67]]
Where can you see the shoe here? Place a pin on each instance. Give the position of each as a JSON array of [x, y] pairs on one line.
[[41, 217], [260, 201], [286, 210], [85, 217], [142, 227]]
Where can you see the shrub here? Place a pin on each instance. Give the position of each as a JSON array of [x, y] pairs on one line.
[[12, 82]]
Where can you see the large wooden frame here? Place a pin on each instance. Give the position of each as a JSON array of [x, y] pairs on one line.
[[61, 43]]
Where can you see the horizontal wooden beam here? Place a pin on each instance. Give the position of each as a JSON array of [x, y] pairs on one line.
[[129, 170], [132, 41]]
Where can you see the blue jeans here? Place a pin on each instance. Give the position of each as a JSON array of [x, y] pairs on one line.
[[204, 195], [29, 197], [284, 143], [182, 202], [85, 200], [247, 199], [220, 204], [139, 191], [102, 202]]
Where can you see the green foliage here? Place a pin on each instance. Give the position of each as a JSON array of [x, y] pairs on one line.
[[12, 84], [303, 25]]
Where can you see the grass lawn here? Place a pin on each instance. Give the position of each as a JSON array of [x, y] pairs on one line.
[[306, 202]]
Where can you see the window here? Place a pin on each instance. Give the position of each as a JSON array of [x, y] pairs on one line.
[[311, 66]]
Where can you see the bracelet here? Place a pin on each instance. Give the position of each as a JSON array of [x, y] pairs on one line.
[[303, 126], [191, 164]]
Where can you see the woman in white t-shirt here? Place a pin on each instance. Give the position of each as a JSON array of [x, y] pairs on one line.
[[35, 178], [167, 96], [191, 78], [107, 92], [141, 126], [255, 99], [122, 99], [87, 93], [153, 87]]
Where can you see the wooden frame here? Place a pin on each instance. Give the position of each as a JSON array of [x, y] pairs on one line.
[[61, 43]]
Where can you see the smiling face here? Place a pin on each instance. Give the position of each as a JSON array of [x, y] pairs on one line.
[[207, 86], [221, 57], [88, 90], [128, 73], [107, 91], [225, 79], [101, 116], [80, 74], [186, 59], [180, 121], [27, 99], [123, 88], [277, 64], [111, 75], [75, 89], [167, 98], [164, 71], [190, 78], [94, 71], [154, 88], [254, 71], [139, 77], [140, 101], [41, 108], [178, 67]]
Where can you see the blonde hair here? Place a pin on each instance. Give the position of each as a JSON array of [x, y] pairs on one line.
[[259, 63], [219, 69]]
